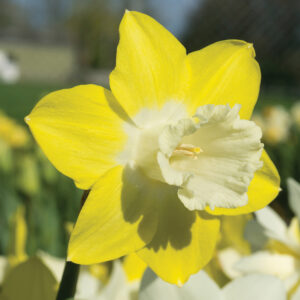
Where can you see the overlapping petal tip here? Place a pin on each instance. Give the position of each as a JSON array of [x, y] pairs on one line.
[[150, 65], [79, 132], [134, 267], [224, 73], [263, 189], [118, 217]]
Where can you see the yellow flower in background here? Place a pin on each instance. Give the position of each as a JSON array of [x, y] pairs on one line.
[[18, 235], [165, 152], [13, 134]]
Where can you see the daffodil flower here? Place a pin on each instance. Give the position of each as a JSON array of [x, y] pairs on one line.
[[164, 152], [279, 256], [279, 251]]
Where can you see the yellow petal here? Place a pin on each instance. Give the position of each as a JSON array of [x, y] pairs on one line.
[[150, 64], [263, 188], [183, 244], [118, 217], [79, 132], [224, 72], [134, 267]]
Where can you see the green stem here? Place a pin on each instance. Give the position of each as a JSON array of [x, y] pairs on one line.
[[67, 287]]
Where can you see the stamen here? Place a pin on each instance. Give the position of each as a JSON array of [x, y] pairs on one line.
[[187, 150]]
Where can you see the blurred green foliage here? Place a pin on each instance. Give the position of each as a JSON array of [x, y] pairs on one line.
[[18, 100], [280, 123], [51, 201], [27, 178]]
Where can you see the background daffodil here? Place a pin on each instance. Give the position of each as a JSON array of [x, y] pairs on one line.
[[277, 244], [165, 152], [201, 287]]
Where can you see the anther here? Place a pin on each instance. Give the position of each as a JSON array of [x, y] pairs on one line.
[[187, 150]]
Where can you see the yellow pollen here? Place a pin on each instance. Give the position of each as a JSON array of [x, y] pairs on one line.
[[179, 283], [188, 150]]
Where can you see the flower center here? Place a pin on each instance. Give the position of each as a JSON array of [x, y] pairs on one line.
[[165, 146]]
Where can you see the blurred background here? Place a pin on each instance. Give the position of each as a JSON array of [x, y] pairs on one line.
[[51, 44]]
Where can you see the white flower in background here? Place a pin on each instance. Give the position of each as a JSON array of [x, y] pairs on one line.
[[281, 254], [275, 123], [202, 287], [294, 196], [259, 120], [90, 287], [118, 287], [295, 111], [280, 257], [9, 70], [123, 283], [227, 259], [56, 265]]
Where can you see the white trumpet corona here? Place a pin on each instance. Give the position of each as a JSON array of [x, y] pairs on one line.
[[211, 157]]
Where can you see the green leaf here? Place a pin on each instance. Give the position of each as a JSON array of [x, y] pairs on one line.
[[2, 297], [29, 280]]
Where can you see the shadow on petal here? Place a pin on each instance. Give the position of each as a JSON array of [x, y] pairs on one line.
[[117, 108], [174, 220]]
